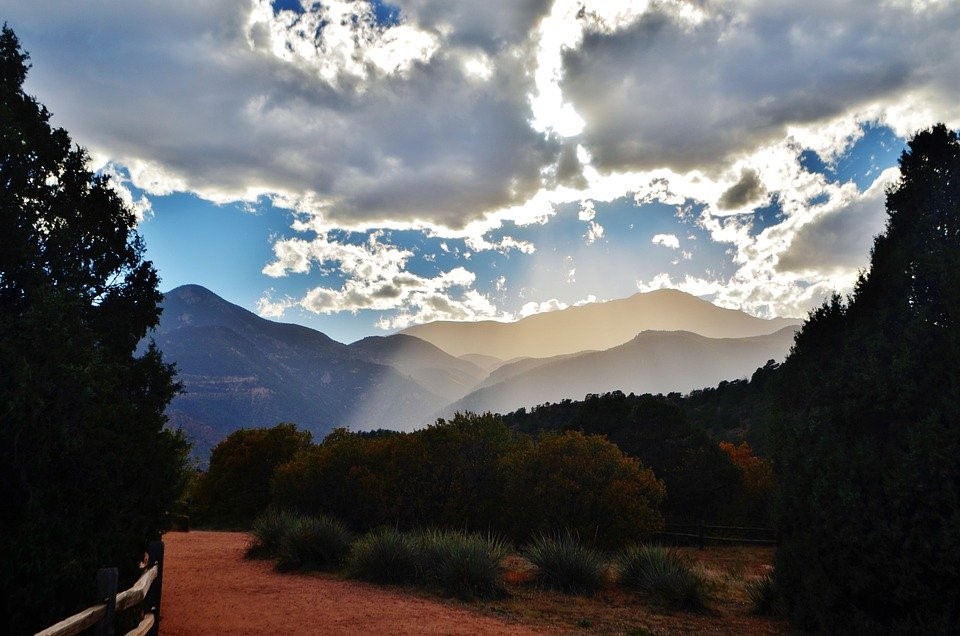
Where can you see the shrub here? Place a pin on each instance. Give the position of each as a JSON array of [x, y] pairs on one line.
[[764, 596], [567, 564], [236, 487], [266, 531], [583, 483], [313, 543], [462, 564], [666, 574], [384, 556]]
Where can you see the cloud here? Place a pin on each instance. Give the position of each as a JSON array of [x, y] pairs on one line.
[[748, 189], [694, 91], [375, 278], [460, 116], [839, 239], [594, 233], [666, 240]]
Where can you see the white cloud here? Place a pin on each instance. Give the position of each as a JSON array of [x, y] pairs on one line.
[[542, 307], [666, 240], [594, 233], [464, 116]]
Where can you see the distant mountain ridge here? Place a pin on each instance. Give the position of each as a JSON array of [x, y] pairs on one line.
[[653, 362], [595, 326], [240, 370]]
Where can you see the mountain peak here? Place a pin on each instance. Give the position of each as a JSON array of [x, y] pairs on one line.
[[595, 326]]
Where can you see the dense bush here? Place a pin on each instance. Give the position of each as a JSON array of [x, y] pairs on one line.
[[583, 483], [473, 473], [462, 564], [701, 481], [665, 574], [868, 446], [236, 487], [385, 556], [267, 531], [566, 563], [313, 543]]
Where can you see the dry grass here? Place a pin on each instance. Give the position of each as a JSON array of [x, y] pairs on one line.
[[614, 610]]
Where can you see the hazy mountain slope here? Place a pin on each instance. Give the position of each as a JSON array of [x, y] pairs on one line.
[[427, 364], [240, 370], [653, 362], [597, 326]]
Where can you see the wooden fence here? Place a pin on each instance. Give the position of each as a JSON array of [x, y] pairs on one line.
[[701, 534], [145, 592]]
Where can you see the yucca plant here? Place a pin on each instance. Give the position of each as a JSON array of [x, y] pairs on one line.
[[764, 596], [565, 563], [267, 530], [666, 574], [314, 543], [384, 556], [462, 564]]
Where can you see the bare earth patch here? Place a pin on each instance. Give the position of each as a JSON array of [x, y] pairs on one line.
[[209, 587]]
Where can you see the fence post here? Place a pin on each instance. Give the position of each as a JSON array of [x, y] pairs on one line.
[[702, 539], [152, 602], [107, 592]]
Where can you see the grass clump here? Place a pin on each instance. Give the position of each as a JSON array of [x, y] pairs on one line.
[[313, 543], [267, 530], [461, 564], [566, 564], [764, 596], [665, 574], [385, 556]]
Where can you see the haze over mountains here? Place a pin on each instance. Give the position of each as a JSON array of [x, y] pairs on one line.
[[241, 371], [594, 326]]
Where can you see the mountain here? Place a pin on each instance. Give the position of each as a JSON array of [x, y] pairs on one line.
[[240, 371], [426, 364], [595, 326], [652, 362]]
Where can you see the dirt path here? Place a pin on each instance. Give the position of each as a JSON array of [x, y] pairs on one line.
[[209, 588]]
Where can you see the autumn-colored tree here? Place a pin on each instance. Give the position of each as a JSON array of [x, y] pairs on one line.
[[756, 476]]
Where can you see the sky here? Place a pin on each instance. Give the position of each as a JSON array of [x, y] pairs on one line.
[[361, 166]]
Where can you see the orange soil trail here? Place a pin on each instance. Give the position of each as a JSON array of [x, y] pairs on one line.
[[209, 588]]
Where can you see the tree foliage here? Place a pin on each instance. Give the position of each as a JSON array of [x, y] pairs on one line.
[[86, 467], [473, 473], [235, 489], [868, 449]]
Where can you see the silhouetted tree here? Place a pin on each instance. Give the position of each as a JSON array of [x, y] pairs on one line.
[[236, 487], [868, 446], [86, 467]]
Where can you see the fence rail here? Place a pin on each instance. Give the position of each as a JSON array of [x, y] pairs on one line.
[[701, 534], [145, 592]]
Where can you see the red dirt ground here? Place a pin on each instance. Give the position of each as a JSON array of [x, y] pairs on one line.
[[209, 588]]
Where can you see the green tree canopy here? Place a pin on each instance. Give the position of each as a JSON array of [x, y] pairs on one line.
[[868, 445], [86, 467], [236, 487]]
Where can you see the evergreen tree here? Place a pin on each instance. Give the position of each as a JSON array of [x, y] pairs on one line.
[[868, 446], [86, 468]]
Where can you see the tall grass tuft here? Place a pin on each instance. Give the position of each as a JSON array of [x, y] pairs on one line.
[[667, 575], [384, 556], [764, 596], [566, 564], [313, 543], [461, 564], [266, 531]]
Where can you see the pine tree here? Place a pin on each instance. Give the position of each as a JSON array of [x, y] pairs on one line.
[[87, 468], [868, 452]]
